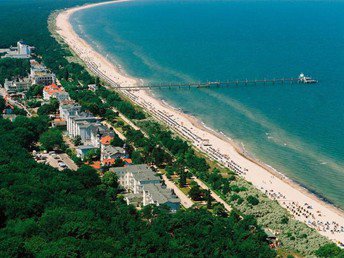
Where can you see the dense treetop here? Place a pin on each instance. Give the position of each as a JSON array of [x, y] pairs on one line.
[[45, 212]]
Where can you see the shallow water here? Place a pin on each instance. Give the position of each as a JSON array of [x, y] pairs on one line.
[[297, 129]]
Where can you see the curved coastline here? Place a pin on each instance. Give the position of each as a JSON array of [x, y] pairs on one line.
[[257, 172]]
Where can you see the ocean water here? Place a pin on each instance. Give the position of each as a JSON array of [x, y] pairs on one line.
[[297, 129]]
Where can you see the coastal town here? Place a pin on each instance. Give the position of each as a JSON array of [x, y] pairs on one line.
[[140, 183], [323, 217], [129, 147], [92, 134], [94, 137]]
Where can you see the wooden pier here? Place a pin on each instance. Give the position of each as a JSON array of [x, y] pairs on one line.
[[209, 84], [215, 84]]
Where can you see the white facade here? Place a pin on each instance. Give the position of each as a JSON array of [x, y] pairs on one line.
[[67, 110], [43, 78], [23, 49], [39, 74], [141, 181], [79, 123], [111, 152], [95, 139], [53, 91], [16, 86], [129, 183]]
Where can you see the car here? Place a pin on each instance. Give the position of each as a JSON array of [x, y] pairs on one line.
[[51, 152], [62, 164]]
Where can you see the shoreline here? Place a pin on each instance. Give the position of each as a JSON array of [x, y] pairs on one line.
[[240, 148], [209, 141]]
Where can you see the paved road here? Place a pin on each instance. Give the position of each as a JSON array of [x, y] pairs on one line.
[[213, 194], [120, 135], [14, 102], [125, 119], [68, 140], [68, 161], [184, 200]]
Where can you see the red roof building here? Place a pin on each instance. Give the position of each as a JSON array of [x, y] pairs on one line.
[[50, 90]]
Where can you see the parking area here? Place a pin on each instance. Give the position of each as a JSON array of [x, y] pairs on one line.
[[60, 161]]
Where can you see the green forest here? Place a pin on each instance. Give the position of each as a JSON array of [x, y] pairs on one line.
[[47, 213]]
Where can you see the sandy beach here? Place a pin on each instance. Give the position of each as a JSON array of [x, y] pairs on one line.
[[304, 206]]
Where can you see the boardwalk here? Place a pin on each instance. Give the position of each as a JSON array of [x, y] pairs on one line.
[[212, 84], [209, 84]]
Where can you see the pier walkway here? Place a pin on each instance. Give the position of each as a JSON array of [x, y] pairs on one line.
[[209, 84], [215, 84]]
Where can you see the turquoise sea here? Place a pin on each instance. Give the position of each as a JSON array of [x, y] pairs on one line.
[[297, 129]]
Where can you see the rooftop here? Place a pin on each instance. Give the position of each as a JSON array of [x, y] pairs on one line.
[[109, 149], [161, 194], [86, 147], [141, 172], [102, 131], [106, 140], [95, 165], [128, 161], [66, 103], [108, 162], [83, 116], [53, 88]]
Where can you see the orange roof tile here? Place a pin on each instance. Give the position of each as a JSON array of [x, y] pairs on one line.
[[53, 88], [94, 164], [106, 140], [59, 120], [108, 161], [129, 161]]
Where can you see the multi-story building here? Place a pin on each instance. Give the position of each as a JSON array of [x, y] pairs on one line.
[[79, 123], [83, 150], [23, 48], [63, 98], [134, 177], [142, 183], [21, 51], [101, 136], [43, 78], [69, 109], [159, 194], [82, 125], [109, 154], [51, 91], [17, 85], [39, 74]]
